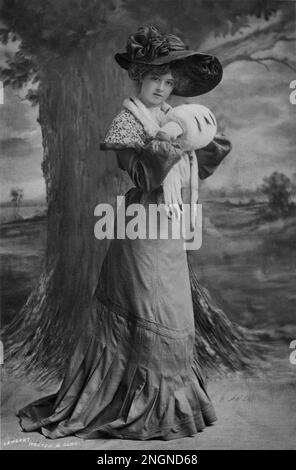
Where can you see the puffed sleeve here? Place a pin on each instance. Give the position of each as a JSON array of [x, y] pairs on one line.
[[149, 168], [150, 163], [210, 157]]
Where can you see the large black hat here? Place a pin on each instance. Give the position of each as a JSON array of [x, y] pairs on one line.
[[200, 72]]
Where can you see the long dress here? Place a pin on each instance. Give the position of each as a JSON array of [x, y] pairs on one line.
[[138, 376]]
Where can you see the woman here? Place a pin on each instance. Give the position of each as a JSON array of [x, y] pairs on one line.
[[139, 374]]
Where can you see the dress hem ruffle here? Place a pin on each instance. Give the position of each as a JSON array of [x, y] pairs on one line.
[[127, 383]]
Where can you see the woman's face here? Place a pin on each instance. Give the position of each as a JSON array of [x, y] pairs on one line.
[[156, 88]]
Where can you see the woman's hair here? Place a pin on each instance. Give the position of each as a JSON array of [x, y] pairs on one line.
[[137, 72]]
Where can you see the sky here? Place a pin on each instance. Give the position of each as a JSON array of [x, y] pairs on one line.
[[20, 147], [254, 108], [251, 104], [20, 142]]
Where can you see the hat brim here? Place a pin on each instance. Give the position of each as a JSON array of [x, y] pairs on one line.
[[200, 72]]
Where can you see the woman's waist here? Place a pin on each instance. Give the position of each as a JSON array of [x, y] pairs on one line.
[[136, 195]]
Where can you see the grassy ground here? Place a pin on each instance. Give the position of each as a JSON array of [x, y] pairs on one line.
[[253, 413], [248, 265]]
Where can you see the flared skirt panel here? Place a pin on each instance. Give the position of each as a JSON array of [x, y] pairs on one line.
[[134, 374], [127, 381]]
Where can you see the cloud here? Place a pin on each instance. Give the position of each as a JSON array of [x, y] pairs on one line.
[[21, 149]]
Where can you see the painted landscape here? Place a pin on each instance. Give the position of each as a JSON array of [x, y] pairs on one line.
[[248, 265], [248, 256]]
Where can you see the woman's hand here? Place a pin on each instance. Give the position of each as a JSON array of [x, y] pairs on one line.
[[172, 193]]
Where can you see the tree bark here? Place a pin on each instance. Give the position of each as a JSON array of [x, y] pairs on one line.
[[78, 176]]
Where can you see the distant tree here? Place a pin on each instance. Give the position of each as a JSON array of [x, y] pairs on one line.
[[16, 196], [278, 189]]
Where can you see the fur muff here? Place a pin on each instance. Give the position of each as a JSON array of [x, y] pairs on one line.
[[197, 122]]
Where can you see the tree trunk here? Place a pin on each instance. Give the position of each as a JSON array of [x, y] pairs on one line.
[[76, 105]]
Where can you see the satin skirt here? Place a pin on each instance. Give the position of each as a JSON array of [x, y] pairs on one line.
[[135, 372]]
